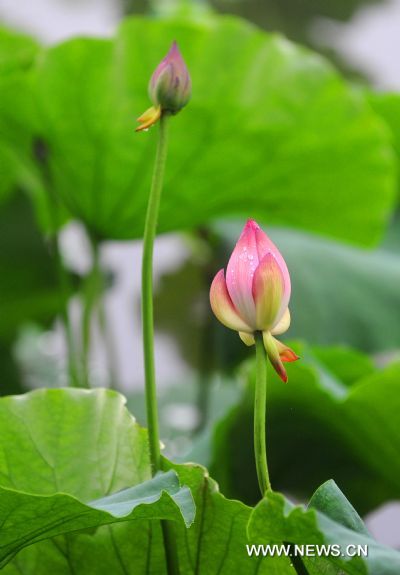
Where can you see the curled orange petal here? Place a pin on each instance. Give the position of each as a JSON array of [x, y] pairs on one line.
[[273, 355], [285, 352], [277, 353]]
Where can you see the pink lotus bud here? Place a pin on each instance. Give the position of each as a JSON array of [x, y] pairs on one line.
[[255, 294], [169, 89]]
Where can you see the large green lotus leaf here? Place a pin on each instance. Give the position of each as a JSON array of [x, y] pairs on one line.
[[87, 443], [65, 445], [28, 518], [327, 422], [75, 441], [275, 519], [221, 525], [271, 131], [84, 444]]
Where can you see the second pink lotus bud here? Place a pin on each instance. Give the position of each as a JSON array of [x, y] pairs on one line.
[[254, 295]]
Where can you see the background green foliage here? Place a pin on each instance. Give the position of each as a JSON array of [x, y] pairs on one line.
[[296, 139]]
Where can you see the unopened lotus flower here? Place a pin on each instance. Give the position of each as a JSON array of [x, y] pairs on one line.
[[169, 89], [254, 295]]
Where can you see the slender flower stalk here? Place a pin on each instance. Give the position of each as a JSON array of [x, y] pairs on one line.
[[147, 295], [253, 299], [260, 406], [169, 91], [149, 235]]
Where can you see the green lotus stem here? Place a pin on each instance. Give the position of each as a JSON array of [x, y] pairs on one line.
[[149, 235], [147, 295], [90, 296], [260, 402], [297, 562]]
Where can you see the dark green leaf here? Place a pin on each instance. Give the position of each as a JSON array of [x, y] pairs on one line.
[[275, 519], [331, 501], [215, 544], [318, 427], [26, 518]]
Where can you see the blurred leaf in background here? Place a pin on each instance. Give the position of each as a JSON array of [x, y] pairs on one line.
[[342, 294], [299, 146]]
